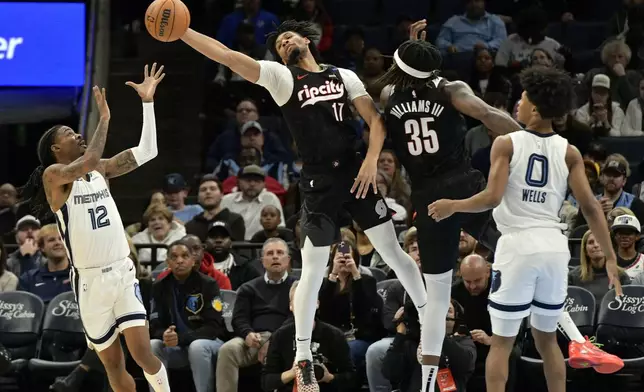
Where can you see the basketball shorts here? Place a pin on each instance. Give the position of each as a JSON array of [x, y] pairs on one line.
[[529, 274], [326, 194], [438, 241], [109, 300]]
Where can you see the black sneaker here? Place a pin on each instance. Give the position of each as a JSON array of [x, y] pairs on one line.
[[71, 383], [305, 377]]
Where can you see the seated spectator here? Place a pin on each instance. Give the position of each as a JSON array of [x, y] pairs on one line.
[[515, 52], [252, 156], [8, 196], [368, 256], [331, 357], [161, 229], [251, 198], [400, 189], [52, 278], [626, 229], [261, 307], [210, 196], [457, 358], [480, 136], [576, 132], [383, 182], [603, 116], [542, 57], [373, 68], [155, 197], [28, 255], [351, 54], [251, 12], [350, 301], [204, 262], [633, 125], [176, 190], [314, 11], [8, 280], [476, 29], [486, 78], [8, 200], [270, 220], [186, 322], [591, 272], [615, 212], [218, 244], [597, 153]]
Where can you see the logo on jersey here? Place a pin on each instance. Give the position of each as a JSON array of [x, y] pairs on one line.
[[381, 208], [329, 91], [137, 292], [194, 303], [496, 281], [217, 304]]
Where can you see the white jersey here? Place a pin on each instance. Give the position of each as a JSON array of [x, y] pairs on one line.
[[537, 184], [90, 224]]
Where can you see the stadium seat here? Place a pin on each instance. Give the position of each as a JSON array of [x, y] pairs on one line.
[[296, 273], [378, 274], [62, 343], [228, 298], [620, 325], [383, 287]]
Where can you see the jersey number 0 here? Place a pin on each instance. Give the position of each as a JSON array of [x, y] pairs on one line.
[[423, 139]]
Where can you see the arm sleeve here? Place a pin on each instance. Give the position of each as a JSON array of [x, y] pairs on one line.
[[213, 322], [147, 148], [355, 87], [241, 313], [274, 366], [277, 79]]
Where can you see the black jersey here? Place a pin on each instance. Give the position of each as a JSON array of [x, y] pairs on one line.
[[427, 132], [319, 117]]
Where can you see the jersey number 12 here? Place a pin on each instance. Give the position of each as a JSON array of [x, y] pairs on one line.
[[423, 139], [98, 216]]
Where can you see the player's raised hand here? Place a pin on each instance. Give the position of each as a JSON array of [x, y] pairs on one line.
[[417, 30], [441, 209], [613, 276], [101, 102], [366, 178], [151, 80]]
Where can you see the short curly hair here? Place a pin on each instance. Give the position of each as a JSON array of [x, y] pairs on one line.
[[549, 89]]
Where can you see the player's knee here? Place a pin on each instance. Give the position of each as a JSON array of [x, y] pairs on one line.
[[545, 337]]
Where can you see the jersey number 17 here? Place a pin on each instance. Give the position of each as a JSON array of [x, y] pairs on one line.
[[422, 138]]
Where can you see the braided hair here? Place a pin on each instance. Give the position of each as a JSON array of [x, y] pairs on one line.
[[34, 191], [305, 29], [418, 57]]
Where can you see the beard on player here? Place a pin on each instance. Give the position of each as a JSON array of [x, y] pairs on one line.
[[294, 57]]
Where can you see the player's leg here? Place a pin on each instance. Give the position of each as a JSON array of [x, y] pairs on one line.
[[137, 339], [114, 362], [504, 332], [544, 331]]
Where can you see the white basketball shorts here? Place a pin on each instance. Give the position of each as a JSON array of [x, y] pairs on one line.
[[529, 274], [109, 300]]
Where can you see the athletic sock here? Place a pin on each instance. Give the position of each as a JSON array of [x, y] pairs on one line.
[[159, 381], [428, 381], [384, 240], [569, 327], [314, 261]]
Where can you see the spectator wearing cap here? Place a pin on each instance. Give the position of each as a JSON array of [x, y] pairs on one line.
[[600, 113], [633, 125], [52, 278], [161, 228], [251, 198], [613, 176], [252, 156], [577, 133], [219, 245], [210, 196], [626, 229], [28, 256], [475, 29], [175, 189]]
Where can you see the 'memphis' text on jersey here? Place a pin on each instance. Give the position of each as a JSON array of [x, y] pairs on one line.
[[92, 197], [420, 106]]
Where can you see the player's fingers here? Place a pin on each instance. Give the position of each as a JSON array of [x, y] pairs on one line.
[[160, 78], [131, 84], [145, 71], [423, 36], [374, 183], [360, 189], [159, 72], [355, 185]]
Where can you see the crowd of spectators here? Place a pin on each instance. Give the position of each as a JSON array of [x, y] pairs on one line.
[[365, 333]]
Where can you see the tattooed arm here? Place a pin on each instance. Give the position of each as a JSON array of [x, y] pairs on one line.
[[466, 102]]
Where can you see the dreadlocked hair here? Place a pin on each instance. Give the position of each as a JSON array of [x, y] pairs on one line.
[[304, 28], [34, 191], [419, 55]]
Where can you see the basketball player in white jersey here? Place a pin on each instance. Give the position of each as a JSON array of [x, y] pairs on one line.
[[72, 180], [530, 172]]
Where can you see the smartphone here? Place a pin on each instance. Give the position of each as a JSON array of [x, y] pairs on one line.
[[344, 248]]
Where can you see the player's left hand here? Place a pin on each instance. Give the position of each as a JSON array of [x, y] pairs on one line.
[[417, 30], [441, 209], [366, 178], [613, 277], [147, 88]]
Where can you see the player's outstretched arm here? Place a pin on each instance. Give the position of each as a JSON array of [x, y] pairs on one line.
[[592, 210], [245, 66], [128, 160], [377, 133], [60, 174], [466, 102], [492, 195]]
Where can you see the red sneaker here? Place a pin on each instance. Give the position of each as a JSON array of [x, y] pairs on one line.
[[586, 354], [305, 377]]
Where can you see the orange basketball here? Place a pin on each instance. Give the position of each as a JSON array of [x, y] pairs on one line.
[[167, 20]]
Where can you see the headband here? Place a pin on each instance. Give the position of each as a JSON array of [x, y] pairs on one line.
[[410, 70]]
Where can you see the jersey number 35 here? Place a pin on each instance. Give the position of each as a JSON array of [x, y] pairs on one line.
[[423, 139]]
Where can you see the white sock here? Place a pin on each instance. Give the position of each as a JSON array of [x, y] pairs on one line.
[[569, 327], [158, 382], [384, 239], [428, 381], [314, 261]]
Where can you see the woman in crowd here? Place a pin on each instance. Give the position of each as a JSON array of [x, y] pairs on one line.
[[349, 300], [485, 76], [600, 113], [626, 230], [542, 57], [633, 125], [591, 273], [156, 196], [400, 189], [313, 11], [160, 229], [8, 281], [383, 181]]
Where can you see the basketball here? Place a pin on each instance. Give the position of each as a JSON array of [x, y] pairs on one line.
[[167, 20]]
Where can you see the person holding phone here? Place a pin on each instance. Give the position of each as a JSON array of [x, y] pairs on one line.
[[604, 116]]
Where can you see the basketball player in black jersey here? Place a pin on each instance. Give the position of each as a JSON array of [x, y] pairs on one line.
[[315, 100], [424, 121]]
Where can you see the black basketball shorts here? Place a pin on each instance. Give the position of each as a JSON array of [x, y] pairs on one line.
[[438, 241], [325, 194]]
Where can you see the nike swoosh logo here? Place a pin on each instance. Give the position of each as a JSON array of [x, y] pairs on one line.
[[131, 268], [300, 77], [39, 284]]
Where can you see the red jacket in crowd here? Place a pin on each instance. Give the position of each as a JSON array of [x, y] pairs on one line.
[[207, 268]]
